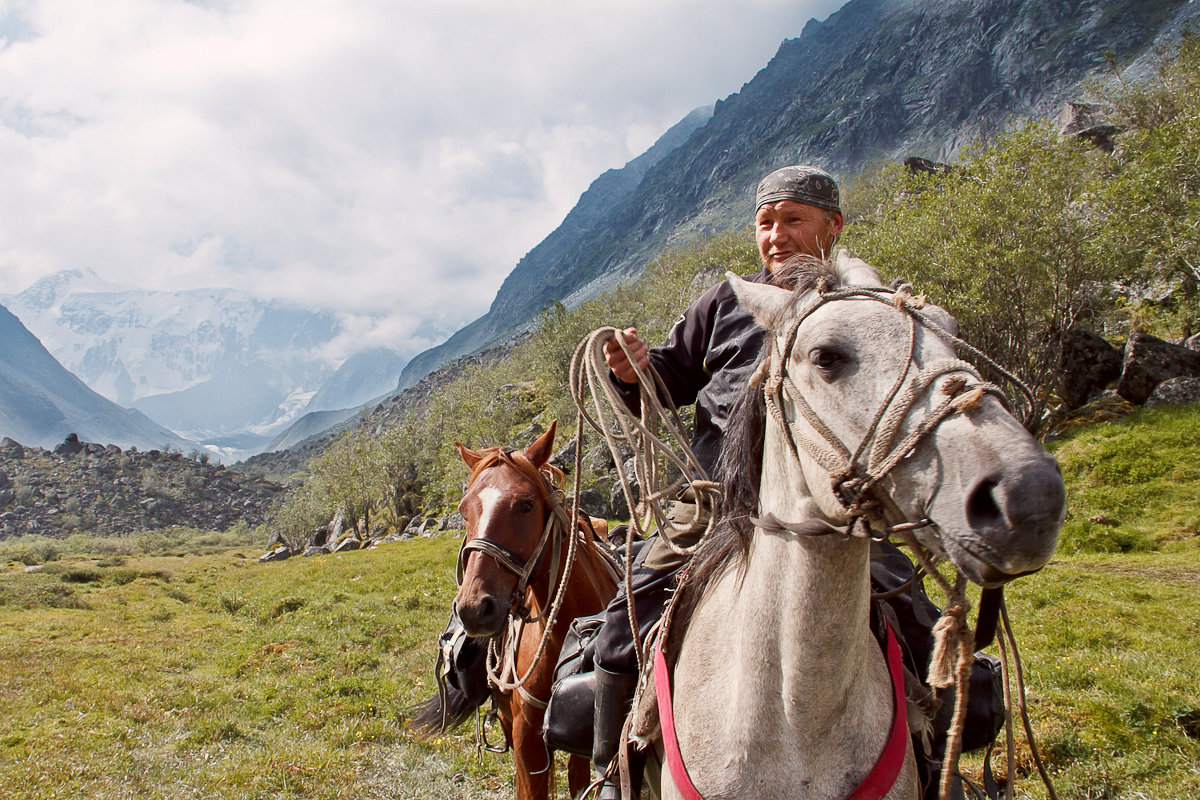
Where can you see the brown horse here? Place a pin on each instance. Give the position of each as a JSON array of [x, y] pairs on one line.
[[526, 569]]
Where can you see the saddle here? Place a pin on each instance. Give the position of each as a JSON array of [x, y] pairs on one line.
[[568, 720], [567, 725]]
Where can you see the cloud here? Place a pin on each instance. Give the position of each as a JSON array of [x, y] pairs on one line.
[[386, 160]]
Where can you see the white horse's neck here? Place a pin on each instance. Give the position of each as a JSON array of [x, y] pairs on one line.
[[786, 642], [823, 614]]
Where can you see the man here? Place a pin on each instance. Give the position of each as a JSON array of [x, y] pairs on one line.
[[707, 360]]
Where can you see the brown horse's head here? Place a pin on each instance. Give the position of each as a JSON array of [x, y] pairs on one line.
[[505, 507]]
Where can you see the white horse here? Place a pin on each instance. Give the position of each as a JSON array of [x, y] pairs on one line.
[[781, 690]]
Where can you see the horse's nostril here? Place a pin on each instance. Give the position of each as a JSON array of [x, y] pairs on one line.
[[487, 609], [981, 504]]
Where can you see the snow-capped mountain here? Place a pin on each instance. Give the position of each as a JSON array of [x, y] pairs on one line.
[[41, 403], [214, 365]]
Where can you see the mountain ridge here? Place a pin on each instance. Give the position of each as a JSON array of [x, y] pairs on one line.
[[905, 77], [41, 402]]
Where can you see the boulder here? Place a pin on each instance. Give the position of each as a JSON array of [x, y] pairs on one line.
[[315, 550], [564, 459], [917, 166], [1149, 361], [347, 544], [617, 502], [278, 554], [1087, 365], [1192, 342], [452, 522], [11, 449], [70, 446], [1088, 122], [5, 481], [1171, 392], [592, 503]]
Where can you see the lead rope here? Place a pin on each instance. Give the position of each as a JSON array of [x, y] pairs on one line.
[[656, 437]]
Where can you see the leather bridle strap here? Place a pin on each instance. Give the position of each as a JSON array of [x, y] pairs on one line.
[[875, 786], [508, 558]]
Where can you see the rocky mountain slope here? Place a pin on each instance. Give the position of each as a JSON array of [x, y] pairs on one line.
[[87, 487], [41, 402], [877, 79]]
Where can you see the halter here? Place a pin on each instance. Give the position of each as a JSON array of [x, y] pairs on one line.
[[854, 483]]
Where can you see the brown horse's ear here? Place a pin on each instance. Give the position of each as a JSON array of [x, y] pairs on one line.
[[540, 451], [469, 456]]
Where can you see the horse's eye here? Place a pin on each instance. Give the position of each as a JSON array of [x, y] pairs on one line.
[[824, 359], [525, 506]]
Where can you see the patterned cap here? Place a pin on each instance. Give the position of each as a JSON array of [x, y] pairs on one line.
[[803, 184]]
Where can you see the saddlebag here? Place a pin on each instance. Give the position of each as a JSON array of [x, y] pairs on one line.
[[567, 726]]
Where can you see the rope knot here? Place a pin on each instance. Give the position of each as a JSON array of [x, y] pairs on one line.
[[905, 299], [954, 385], [950, 636], [970, 400]]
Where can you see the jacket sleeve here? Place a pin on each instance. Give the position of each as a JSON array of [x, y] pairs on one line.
[[680, 361]]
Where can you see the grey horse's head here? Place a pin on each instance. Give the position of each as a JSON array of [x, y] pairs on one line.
[[886, 420]]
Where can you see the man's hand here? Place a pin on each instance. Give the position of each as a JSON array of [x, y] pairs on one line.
[[618, 362]]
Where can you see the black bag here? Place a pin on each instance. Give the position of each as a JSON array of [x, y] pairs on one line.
[[463, 661], [567, 725], [913, 615]]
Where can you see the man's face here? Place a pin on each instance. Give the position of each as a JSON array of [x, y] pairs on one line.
[[788, 228]]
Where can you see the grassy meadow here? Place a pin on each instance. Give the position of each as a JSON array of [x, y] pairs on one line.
[[166, 672]]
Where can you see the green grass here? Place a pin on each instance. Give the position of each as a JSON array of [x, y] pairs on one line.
[[149, 674], [168, 677], [1134, 482], [216, 675], [1109, 644]]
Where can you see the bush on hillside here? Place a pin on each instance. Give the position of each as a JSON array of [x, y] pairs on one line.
[[1026, 236], [1002, 242]]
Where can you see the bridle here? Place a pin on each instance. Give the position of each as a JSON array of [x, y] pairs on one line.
[[501, 664], [553, 533], [855, 480]]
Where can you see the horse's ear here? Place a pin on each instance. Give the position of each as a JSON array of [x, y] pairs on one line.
[[469, 456], [855, 271], [769, 304], [539, 452]]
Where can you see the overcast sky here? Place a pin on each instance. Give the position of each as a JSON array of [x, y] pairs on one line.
[[389, 160]]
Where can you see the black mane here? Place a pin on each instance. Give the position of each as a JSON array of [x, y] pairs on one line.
[[739, 466]]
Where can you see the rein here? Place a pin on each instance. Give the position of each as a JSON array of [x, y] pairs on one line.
[[659, 442]]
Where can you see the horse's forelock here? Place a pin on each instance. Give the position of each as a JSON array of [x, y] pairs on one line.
[[548, 476], [804, 273]]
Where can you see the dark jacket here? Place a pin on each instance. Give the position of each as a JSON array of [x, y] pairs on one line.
[[707, 360]]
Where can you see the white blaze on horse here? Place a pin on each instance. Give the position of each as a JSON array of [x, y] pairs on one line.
[[781, 690]]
